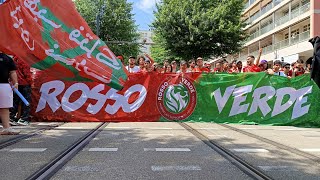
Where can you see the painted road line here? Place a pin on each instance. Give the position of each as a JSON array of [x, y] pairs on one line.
[[277, 168], [103, 149], [159, 134], [311, 150], [119, 128], [69, 127], [167, 149], [28, 149], [81, 169], [175, 168], [216, 135], [250, 150]]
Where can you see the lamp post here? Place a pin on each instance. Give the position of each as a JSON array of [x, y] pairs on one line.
[[99, 14]]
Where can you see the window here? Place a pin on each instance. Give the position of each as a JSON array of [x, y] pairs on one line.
[[294, 33], [286, 36], [306, 28]]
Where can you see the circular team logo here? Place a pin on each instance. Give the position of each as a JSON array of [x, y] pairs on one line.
[[176, 101]]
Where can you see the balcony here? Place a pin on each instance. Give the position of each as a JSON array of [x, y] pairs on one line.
[[281, 44], [267, 49], [301, 37], [282, 20], [266, 9], [253, 35], [266, 29], [294, 13]]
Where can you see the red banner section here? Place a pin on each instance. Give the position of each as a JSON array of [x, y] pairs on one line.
[[52, 36], [55, 100]]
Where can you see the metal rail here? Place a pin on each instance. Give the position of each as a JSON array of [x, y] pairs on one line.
[[47, 171], [274, 143], [21, 137], [235, 160]]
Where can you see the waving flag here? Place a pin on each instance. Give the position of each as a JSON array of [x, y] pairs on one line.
[[52, 36], [315, 73]]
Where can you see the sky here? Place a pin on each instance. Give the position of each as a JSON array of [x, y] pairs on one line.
[[143, 12]]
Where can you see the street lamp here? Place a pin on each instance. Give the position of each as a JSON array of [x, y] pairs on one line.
[[99, 14]]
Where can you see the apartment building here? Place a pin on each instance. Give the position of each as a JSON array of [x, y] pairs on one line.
[[281, 27]]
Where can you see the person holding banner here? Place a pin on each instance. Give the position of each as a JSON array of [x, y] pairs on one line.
[[7, 70], [25, 81]]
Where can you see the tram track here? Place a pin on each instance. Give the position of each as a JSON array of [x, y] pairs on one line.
[[298, 152], [234, 159], [21, 137], [48, 170]]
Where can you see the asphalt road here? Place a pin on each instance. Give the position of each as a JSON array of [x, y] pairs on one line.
[[162, 150]]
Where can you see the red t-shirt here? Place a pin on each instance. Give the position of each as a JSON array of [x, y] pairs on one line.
[[23, 72], [203, 69], [252, 68], [297, 73]]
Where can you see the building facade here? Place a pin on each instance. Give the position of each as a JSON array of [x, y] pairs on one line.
[[281, 27], [145, 41]]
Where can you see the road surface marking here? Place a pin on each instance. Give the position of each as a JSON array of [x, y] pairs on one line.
[[216, 135], [28, 149], [250, 150], [159, 134], [168, 149], [102, 149], [175, 168], [311, 150], [81, 169]]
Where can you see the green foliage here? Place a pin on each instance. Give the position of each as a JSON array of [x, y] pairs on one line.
[[192, 28], [116, 24]]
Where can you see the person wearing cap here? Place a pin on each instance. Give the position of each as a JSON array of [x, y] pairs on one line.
[[200, 67], [276, 69], [252, 64], [183, 67], [286, 68], [263, 65], [174, 66], [132, 68]]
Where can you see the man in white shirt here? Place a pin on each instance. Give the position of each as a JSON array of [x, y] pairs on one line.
[[132, 68], [276, 69]]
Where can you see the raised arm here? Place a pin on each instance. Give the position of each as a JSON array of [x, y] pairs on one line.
[[258, 58], [149, 57]]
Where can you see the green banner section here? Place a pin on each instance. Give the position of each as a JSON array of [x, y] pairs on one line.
[[257, 98]]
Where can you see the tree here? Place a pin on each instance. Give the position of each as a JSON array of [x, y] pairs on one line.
[[192, 28], [113, 20]]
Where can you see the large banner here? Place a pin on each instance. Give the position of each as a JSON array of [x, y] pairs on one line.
[[222, 98], [52, 36]]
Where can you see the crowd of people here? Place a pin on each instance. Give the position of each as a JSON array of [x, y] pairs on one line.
[[15, 73], [146, 64]]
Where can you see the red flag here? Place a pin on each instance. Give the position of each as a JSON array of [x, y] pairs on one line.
[[52, 36]]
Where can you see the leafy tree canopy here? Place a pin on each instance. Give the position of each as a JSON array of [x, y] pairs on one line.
[[192, 28], [114, 21]]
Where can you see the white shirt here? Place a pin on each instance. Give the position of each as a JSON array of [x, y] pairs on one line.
[[280, 73], [135, 69]]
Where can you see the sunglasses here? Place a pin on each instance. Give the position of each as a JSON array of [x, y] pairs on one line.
[[287, 67]]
